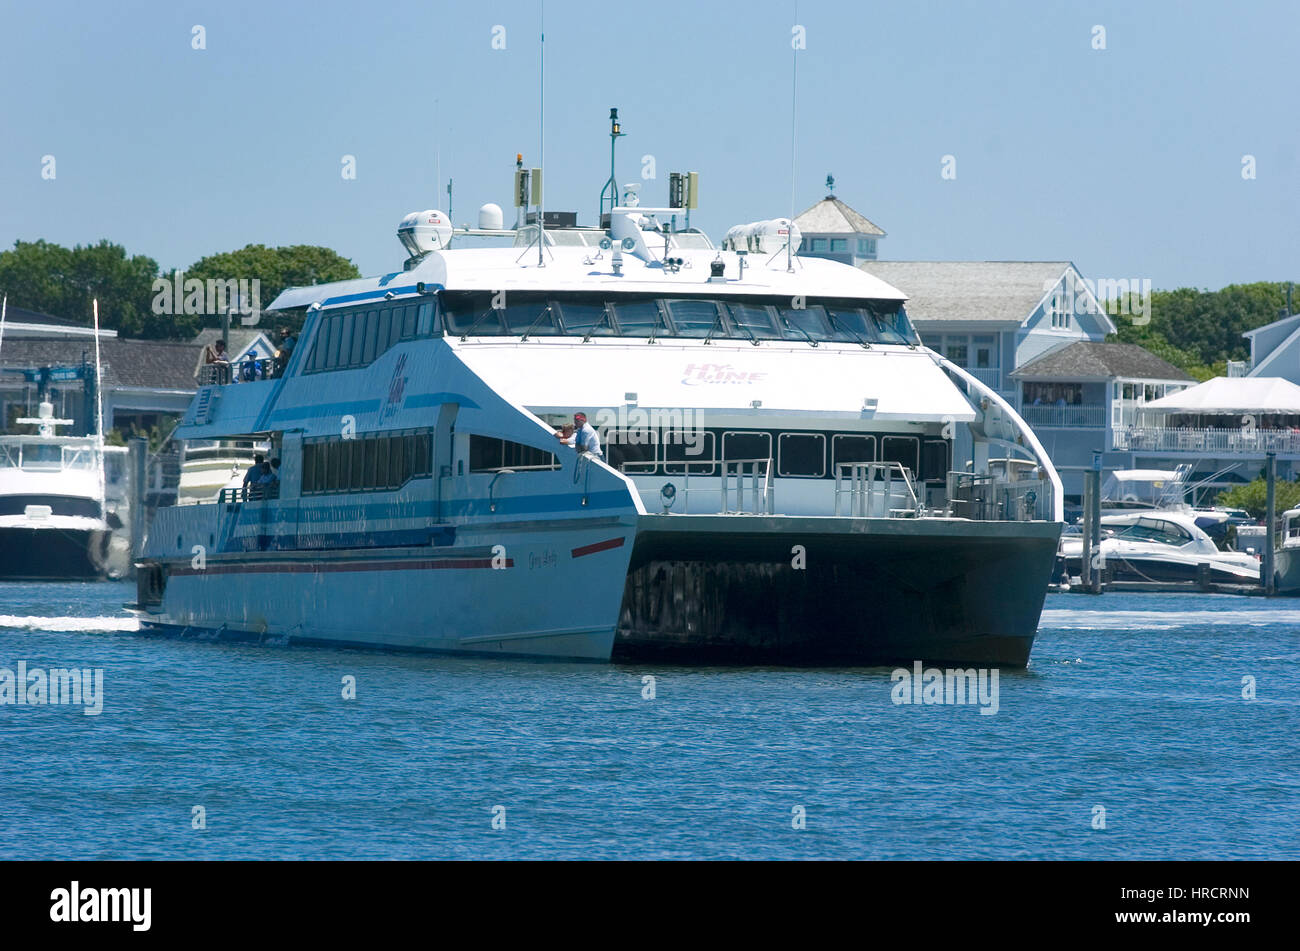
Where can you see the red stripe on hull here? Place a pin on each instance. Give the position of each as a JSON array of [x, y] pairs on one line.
[[598, 546]]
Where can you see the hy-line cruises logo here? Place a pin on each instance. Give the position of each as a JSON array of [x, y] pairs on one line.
[[75, 904], [699, 374], [58, 686]]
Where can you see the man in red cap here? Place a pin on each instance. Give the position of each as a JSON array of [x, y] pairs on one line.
[[585, 438]]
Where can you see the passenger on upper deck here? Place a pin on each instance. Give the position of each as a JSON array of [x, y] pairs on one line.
[[565, 434], [255, 470], [585, 438], [286, 349], [215, 356]]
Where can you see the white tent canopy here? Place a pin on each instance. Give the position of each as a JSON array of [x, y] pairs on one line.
[[1225, 395]]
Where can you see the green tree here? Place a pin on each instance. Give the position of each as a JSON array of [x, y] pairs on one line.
[[1252, 497], [275, 269], [1200, 331], [52, 279]]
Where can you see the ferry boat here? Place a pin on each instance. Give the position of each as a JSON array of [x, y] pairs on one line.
[[777, 482], [53, 522]]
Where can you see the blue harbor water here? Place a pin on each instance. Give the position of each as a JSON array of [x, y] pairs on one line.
[[1131, 702]]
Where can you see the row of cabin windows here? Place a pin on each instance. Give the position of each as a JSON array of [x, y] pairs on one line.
[[475, 314], [798, 455], [489, 454], [366, 463], [356, 336]]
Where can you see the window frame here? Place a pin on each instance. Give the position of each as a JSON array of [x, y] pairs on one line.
[[780, 456]]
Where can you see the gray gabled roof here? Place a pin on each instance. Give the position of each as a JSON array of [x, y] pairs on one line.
[[1099, 361], [957, 291], [832, 216], [135, 364], [240, 339]]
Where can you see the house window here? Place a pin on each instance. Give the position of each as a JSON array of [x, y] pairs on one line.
[[1057, 310], [958, 353], [1052, 394], [818, 244], [839, 245], [866, 246]]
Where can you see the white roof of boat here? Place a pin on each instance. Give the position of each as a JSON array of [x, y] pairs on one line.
[[579, 269], [836, 381], [1181, 518], [1145, 475]]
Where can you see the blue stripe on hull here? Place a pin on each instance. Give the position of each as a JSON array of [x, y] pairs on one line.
[[596, 649]]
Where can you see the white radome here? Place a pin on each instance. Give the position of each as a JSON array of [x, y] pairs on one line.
[[423, 231]]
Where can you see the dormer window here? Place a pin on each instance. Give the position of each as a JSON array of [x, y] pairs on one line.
[[1059, 315]]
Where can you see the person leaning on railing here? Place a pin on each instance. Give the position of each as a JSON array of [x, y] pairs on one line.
[[214, 364], [282, 355]]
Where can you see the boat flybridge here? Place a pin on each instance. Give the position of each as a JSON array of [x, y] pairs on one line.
[[776, 481], [53, 523]]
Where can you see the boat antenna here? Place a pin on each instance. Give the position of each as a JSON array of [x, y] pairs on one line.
[[615, 133], [4, 308], [794, 91], [99, 388], [541, 143], [437, 159]]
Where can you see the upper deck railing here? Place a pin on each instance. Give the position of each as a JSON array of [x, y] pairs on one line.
[[1227, 441], [241, 371], [1082, 416], [254, 492]]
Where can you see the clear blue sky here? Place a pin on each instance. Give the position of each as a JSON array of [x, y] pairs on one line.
[[1126, 161]]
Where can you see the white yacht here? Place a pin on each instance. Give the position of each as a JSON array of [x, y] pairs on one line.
[[777, 481], [1160, 545], [53, 523], [1286, 556], [210, 466]]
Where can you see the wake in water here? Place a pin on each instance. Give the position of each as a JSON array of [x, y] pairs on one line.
[[1064, 619], [88, 625]]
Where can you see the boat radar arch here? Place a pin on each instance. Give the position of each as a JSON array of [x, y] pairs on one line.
[[45, 420]]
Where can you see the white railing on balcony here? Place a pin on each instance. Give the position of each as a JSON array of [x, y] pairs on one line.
[[1153, 439], [1082, 416], [991, 378]]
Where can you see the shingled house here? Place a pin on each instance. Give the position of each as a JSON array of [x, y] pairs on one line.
[[144, 380], [991, 317], [1077, 397]]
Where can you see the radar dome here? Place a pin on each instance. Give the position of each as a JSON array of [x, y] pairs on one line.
[[490, 217], [763, 237], [423, 231]]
